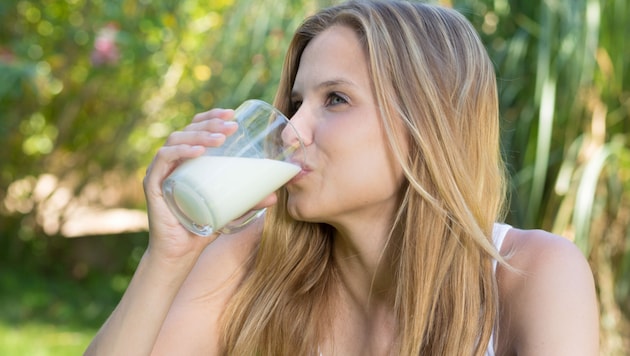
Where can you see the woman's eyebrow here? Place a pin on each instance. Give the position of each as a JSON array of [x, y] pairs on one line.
[[334, 82], [325, 85]]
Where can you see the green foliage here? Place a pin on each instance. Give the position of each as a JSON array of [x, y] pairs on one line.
[[56, 307], [565, 102]]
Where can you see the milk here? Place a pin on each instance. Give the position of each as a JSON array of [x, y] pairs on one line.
[[212, 191]]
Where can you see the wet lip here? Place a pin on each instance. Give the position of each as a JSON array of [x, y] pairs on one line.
[[305, 170]]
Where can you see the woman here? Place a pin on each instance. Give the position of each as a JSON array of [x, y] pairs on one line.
[[386, 242]]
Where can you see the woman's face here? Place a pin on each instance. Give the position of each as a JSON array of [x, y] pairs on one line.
[[350, 173]]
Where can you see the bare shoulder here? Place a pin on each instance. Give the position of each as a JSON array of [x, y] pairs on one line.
[[536, 250], [549, 304], [191, 326]]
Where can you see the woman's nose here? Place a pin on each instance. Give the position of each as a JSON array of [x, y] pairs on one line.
[[297, 130]]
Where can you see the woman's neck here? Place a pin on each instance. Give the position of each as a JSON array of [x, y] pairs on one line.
[[365, 270]]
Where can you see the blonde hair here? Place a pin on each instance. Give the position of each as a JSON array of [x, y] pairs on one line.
[[429, 71]]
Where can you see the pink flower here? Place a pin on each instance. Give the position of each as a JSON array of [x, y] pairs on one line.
[[105, 50], [6, 55]]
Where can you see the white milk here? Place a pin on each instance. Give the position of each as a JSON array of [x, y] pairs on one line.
[[215, 190]]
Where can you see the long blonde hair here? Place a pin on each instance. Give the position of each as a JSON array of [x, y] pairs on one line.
[[430, 72]]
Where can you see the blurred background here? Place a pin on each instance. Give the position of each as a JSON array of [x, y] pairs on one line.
[[90, 89]]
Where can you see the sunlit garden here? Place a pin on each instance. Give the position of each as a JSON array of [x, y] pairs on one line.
[[90, 89]]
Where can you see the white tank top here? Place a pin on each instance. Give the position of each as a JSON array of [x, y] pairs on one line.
[[499, 231]]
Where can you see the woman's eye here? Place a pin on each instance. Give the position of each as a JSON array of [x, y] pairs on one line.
[[336, 99]]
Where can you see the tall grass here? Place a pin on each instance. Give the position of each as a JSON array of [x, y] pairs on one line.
[[565, 101]]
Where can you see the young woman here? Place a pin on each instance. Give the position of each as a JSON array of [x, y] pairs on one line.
[[387, 242]]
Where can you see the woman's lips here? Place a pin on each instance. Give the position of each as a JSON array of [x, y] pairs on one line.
[[303, 172]]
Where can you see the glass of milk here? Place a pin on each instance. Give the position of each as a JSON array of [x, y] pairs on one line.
[[216, 192]]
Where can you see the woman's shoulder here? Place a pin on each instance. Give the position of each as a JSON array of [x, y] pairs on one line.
[[531, 250], [547, 297]]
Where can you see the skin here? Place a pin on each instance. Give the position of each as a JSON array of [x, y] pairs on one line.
[[550, 308], [351, 177], [183, 282]]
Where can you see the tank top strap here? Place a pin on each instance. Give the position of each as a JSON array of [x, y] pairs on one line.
[[499, 231]]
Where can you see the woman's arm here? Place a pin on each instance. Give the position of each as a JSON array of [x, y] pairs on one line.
[[550, 308], [192, 324], [172, 251], [173, 309], [135, 323]]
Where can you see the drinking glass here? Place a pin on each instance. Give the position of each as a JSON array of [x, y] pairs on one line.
[[217, 191]]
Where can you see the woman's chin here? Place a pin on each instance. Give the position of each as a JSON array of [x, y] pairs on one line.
[[298, 214]]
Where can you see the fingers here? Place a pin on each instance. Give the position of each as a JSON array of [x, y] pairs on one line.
[[207, 133], [223, 114], [199, 138], [166, 159], [207, 129]]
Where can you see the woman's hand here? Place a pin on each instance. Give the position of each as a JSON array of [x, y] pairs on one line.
[[168, 238]]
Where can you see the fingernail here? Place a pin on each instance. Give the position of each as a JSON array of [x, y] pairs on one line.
[[229, 123], [216, 135]]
